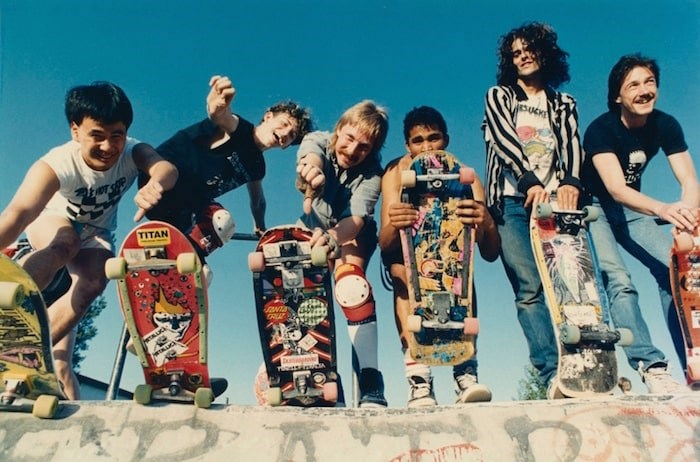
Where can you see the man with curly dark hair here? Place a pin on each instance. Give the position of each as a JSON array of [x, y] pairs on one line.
[[533, 151]]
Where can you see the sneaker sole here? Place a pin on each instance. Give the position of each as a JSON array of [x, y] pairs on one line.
[[421, 402], [476, 395]]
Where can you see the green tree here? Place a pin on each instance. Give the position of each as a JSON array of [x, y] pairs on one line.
[[531, 387], [87, 330]]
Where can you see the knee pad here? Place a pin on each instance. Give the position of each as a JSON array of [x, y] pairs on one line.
[[213, 228], [353, 292]]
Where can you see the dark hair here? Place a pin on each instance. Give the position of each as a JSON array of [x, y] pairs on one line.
[[542, 41], [101, 101], [424, 116], [620, 70], [302, 115]]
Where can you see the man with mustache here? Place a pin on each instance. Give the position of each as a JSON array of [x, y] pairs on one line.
[[619, 145]]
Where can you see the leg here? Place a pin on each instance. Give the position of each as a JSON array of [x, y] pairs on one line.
[[56, 242], [533, 313], [63, 356]]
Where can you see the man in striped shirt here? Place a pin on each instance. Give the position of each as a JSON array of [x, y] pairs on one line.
[[533, 151]]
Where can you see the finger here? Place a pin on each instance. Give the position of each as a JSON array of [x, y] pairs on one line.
[[140, 213], [307, 205]]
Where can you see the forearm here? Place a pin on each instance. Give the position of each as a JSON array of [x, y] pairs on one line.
[[12, 224], [257, 209], [164, 173]]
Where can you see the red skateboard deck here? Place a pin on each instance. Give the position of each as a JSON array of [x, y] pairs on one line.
[[295, 319], [163, 297], [685, 285], [439, 258], [26, 355], [577, 303]]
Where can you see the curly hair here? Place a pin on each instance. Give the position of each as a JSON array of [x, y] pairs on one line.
[[619, 72], [541, 40], [301, 114]]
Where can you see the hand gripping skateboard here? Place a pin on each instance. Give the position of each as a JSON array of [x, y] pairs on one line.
[[295, 318], [438, 255], [685, 285], [164, 301], [26, 355], [577, 302]]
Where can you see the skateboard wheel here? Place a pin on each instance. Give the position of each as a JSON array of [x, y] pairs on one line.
[[590, 213], [408, 178], [11, 294], [693, 374], [466, 175], [203, 397], [274, 396], [626, 337], [45, 406], [142, 394], [115, 268], [256, 262], [319, 256], [414, 323], [471, 326], [684, 242], [330, 392], [187, 263], [543, 210], [569, 334]]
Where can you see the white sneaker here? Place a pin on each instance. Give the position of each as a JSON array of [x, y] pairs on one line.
[[420, 392], [658, 380], [469, 390]]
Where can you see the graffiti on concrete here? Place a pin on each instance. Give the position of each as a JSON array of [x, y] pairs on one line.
[[641, 429]]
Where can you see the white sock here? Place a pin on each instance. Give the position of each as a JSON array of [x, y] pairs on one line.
[[363, 338], [414, 368]]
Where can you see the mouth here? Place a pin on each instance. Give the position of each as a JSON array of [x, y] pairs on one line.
[[645, 99]]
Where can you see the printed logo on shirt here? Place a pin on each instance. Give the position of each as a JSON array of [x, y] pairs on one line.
[[95, 201], [635, 166]]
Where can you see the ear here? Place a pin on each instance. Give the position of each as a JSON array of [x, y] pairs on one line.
[[74, 132], [268, 115]]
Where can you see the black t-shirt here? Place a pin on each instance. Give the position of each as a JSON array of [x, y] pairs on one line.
[[634, 147]]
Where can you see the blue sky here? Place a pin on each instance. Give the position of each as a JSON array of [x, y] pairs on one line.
[[327, 55]]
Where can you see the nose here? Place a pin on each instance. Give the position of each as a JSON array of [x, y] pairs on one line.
[[106, 145]]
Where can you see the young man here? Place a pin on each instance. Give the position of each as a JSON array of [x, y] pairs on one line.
[[67, 204], [620, 144], [425, 129], [533, 151], [219, 154], [341, 173]]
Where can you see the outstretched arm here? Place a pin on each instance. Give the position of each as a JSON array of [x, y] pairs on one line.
[[37, 188], [258, 205], [162, 173]]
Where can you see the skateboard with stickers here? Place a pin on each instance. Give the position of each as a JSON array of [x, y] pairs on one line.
[[578, 305], [163, 296], [685, 286], [438, 255], [28, 381], [296, 323]]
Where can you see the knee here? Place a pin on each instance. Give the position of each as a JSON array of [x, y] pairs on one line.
[[354, 293]]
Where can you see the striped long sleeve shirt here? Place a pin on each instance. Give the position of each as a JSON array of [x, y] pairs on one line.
[[504, 151]]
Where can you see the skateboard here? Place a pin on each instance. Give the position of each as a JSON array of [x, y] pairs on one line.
[[438, 255], [685, 286], [163, 297], [296, 324], [26, 356], [578, 305]]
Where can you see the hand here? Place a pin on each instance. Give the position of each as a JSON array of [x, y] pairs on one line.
[[536, 195], [147, 197], [310, 181], [258, 231], [567, 197], [321, 238], [220, 97], [471, 212], [402, 215], [679, 215]]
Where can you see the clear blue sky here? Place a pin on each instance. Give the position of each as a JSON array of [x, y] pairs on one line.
[[327, 55]]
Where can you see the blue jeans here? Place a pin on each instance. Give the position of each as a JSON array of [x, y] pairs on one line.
[[639, 235], [519, 263]]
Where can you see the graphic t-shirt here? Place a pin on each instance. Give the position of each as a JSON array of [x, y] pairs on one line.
[[633, 147], [87, 195], [537, 140]]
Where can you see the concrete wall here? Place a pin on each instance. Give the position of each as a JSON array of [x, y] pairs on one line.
[[630, 428]]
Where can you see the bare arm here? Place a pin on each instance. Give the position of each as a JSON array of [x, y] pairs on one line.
[[37, 188], [610, 171], [258, 205], [474, 212], [162, 173], [394, 213]]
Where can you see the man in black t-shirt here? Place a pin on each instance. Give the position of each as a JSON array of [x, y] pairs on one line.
[[219, 154], [619, 145]]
